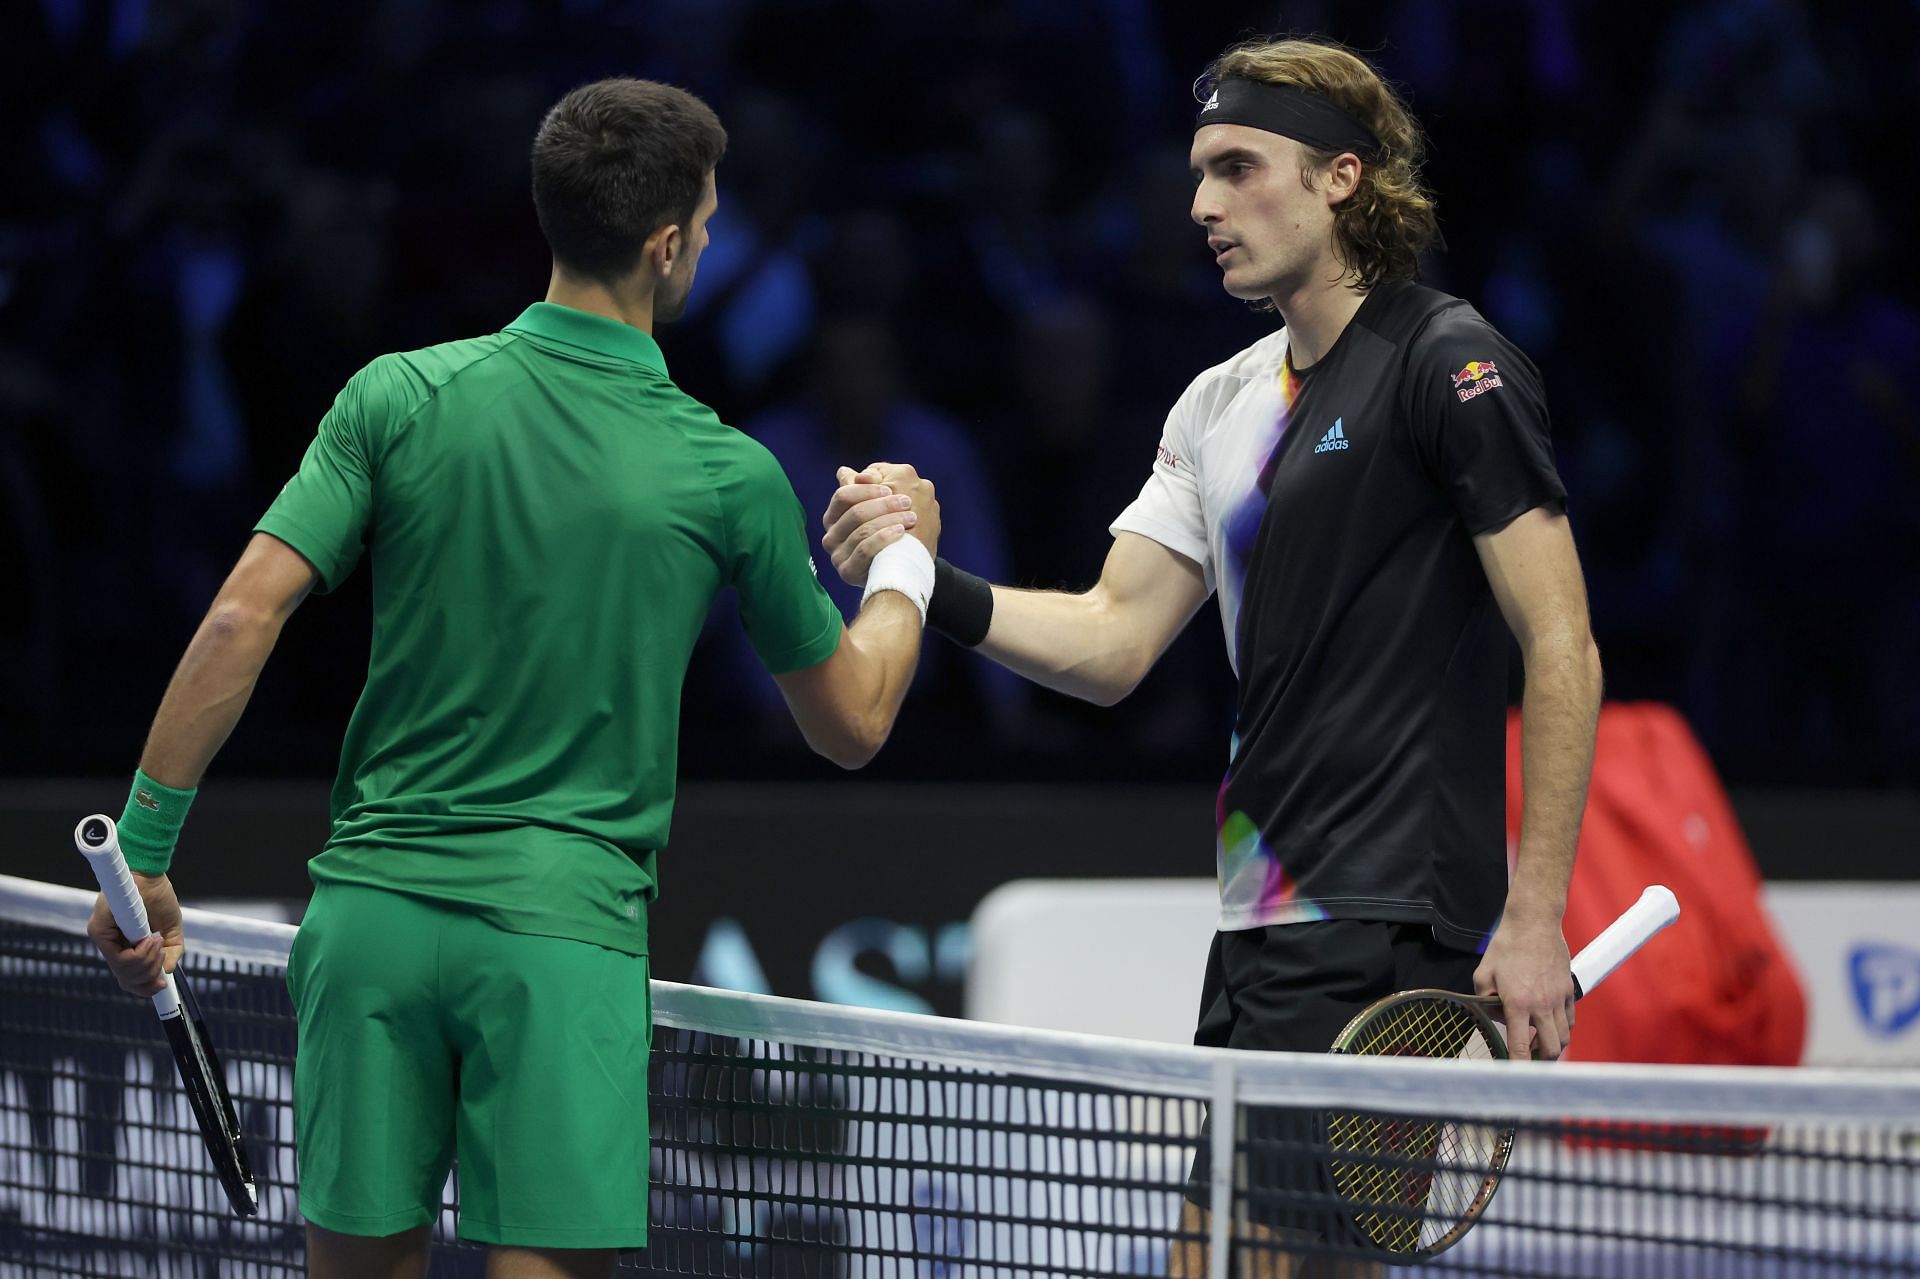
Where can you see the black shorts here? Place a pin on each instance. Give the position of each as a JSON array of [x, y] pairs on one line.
[[1293, 988]]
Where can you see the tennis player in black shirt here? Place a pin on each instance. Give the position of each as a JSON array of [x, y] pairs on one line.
[[1371, 492]]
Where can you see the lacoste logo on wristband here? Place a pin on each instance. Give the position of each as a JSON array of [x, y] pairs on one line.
[[145, 799]]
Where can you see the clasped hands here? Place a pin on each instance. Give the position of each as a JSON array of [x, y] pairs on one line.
[[871, 510]]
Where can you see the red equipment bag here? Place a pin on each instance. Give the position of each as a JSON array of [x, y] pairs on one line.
[[1716, 987]]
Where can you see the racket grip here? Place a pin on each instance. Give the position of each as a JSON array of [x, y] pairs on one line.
[[98, 840], [1656, 908]]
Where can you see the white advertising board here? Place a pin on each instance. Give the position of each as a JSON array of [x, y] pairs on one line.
[[1126, 957], [1857, 946]]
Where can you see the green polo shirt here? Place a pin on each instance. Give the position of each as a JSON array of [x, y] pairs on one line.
[[547, 518]]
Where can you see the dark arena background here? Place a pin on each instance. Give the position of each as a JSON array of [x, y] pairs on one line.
[[955, 234]]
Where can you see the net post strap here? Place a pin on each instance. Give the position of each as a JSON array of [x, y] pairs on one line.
[[1225, 1126]]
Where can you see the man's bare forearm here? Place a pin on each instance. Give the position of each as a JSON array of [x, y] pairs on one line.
[[209, 690], [846, 706], [1100, 644], [1069, 643], [211, 685], [887, 635], [1096, 645], [1558, 717]]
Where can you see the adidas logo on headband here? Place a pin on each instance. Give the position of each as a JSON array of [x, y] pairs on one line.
[[1212, 102]]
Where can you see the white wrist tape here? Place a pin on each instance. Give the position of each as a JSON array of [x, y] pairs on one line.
[[906, 567]]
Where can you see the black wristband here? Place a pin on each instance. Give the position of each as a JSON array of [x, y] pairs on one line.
[[962, 605]]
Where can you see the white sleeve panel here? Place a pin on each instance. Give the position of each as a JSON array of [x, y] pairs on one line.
[[1169, 509]]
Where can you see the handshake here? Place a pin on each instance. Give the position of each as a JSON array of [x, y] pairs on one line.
[[873, 509]]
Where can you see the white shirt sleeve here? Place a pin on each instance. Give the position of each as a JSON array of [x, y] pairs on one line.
[[1169, 509]]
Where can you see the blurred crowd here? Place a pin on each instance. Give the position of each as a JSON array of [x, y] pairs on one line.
[[954, 233]]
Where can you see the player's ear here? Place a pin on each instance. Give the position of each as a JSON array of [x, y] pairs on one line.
[[664, 247], [1343, 178]]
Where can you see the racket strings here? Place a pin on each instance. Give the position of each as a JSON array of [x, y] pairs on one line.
[[1410, 1181]]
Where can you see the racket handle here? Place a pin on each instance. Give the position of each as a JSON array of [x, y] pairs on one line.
[[1656, 908], [98, 840]]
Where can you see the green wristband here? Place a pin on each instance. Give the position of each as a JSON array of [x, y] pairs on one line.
[[150, 826]]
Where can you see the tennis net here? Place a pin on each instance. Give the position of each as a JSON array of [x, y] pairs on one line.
[[800, 1139]]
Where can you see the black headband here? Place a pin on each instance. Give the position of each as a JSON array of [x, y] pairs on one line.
[[1288, 111]]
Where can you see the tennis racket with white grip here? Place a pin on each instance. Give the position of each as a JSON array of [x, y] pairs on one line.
[[200, 1074], [1413, 1186]]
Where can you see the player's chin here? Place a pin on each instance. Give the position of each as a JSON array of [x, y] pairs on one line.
[[1239, 285]]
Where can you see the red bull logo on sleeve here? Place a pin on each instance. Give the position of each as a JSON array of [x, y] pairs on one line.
[[1477, 378]]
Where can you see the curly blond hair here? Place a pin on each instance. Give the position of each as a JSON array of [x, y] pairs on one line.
[[1381, 230]]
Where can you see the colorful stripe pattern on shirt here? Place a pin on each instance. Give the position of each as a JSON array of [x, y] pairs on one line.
[[1251, 876]]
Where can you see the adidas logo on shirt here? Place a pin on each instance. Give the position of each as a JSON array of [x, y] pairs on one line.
[[1335, 438]]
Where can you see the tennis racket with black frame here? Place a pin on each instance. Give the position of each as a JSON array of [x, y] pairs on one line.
[[200, 1074], [1410, 1186]]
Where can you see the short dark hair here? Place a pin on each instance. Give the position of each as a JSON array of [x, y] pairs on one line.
[[613, 162]]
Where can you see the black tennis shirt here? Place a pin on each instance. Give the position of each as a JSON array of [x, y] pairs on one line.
[[1371, 730]]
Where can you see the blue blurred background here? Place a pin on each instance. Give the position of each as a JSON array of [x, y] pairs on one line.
[[955, 234]]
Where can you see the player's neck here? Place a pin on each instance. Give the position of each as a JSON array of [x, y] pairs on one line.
[[629, 306], [1316, 315]]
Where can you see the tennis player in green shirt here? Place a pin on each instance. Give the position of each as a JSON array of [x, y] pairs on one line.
[[547, 518]]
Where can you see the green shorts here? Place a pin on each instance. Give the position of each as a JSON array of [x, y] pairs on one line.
[[427, 1033]]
